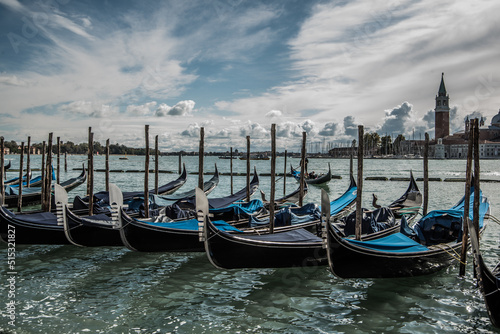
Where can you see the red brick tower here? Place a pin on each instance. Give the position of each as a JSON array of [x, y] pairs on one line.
[[442, 112]]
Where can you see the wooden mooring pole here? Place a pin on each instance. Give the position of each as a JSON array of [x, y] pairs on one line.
[[200, 158], [20, 189], [42, 168], [284, 175], [48, 175], [351, 166], [359, 209], [302, 168], [156, 164], [468, 173], [477, 187], [58, 178], [273, 177], [2, 170], [28, 166], [146, 174], [426, 174], [90, 175], [231, 167], [107, 165], [248, 168], [180, 162]]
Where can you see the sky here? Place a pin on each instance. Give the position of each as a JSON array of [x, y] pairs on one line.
[[234, 67]]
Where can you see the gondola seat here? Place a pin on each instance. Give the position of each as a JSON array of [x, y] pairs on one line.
[[437, 229]]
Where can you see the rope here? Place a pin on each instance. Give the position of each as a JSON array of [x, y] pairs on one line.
[[456, 256], [495, 219]]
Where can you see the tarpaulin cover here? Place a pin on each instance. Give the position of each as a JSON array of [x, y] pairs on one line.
[[192, 225], [299, 235], [394, 243]]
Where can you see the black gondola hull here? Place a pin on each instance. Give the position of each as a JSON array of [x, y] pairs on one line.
[[143, 237], [83, 232], [35, 198], [491, 290], [30, 232], [348, 261], [230, 252]]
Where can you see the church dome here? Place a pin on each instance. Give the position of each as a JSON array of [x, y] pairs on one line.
[[496, 119]]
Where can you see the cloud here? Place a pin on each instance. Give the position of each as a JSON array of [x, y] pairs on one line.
[[141, 110], [330, 129], [274, 113], [224, 133], [291, 129], [193, 130], [13, 81], [88, 109], [182, 108], [395, 119], [254, 130], [350, 126]]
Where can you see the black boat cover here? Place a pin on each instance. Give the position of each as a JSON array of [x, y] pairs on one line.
[[372, 221], [41, 218], [299, 235], [289, 216]]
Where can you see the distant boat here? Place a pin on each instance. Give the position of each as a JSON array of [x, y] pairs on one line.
[[124, 158], [256, 157], [228, 157]]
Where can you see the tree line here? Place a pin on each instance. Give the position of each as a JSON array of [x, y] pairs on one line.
[[71, 148]]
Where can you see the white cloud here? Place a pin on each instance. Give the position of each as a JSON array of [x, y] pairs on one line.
[[358, 59], [346, 65], [274, 113], [254, 130], [88, 109], [330, 129], [141, 110], [182, 108], [12, 80], [193, 130]]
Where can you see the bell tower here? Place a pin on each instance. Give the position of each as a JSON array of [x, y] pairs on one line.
[[442, 112]]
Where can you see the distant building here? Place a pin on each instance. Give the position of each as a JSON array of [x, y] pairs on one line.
[[455, 146], [6, 150], [444, 145]]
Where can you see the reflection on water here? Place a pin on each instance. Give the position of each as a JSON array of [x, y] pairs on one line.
[[67, 289]]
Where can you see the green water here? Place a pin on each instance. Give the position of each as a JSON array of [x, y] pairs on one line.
[[67, 289]]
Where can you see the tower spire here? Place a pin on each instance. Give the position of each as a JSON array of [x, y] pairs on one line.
[[442, 88]]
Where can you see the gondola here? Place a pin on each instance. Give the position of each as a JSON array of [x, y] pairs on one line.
[[179, 236], [320, 179], [208, 187], [33, 195], [384, 220], [32, 228], [36, 227], [102, 197], [289, 246], [34, 182], [429, 246], [89, 231], [489, 281], [7, 166], [292, 198], [103, 229], [15, 180]]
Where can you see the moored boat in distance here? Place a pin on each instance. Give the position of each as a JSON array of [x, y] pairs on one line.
[[313, 178]]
